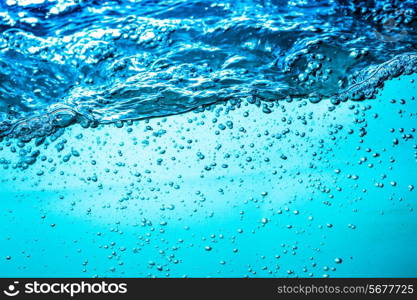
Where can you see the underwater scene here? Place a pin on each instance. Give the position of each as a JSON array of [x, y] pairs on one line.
[[252, 138]]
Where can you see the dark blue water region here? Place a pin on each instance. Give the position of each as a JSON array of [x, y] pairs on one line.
[[94, 62]]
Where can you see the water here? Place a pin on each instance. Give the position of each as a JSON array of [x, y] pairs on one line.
[[225, 139]]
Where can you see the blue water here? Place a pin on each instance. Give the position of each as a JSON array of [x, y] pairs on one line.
[[208, 139]]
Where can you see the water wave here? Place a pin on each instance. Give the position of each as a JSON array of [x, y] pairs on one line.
[[105, 61]]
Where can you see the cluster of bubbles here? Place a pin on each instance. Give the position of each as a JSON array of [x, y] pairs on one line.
[[364, 84], [41, 126]]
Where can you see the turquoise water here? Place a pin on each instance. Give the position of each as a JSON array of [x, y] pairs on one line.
[[117, 211], [242, 170]]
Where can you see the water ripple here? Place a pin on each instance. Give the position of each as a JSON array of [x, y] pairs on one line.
[[106, 61]]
